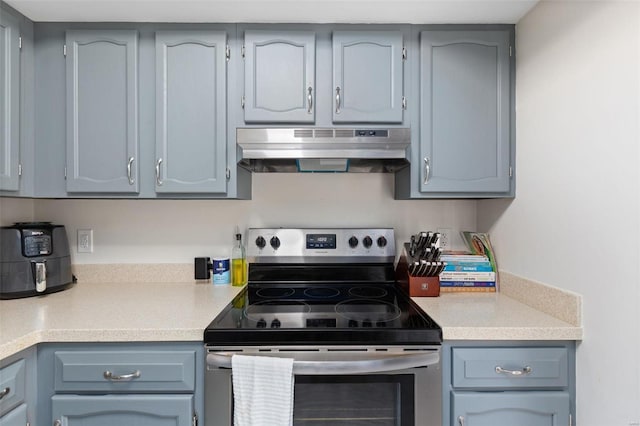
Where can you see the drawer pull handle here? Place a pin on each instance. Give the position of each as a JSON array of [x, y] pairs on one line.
[[461, 420], [4, 392], [110, 376], [525, 371]]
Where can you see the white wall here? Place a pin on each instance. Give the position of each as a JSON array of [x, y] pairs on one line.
[[575, 220], [165, 231], [15, 210]]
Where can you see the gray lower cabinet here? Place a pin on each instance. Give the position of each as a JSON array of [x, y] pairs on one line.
[[18, 389], [462, 145], [134, 383], [279, 71], [191, 81], [17, 417], [139, 410], [503, 383], [9, 102], [368, 76], [102, 111], [510, 408]]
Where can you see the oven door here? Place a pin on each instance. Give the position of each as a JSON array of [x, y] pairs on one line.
[[338, 387]]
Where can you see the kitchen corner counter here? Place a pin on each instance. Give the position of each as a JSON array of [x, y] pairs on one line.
[[112, 312], [493, 316]]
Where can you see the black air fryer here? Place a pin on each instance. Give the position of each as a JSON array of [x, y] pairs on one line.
[[34, 259]]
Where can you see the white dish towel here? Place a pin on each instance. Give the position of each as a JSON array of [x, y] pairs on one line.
[[262, 391]]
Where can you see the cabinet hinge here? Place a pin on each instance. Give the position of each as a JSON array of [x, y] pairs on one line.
[[228, 53], [242, 101], [510, 51], [64, 50], [228, 173], [242, 51], [20, 42], [19, 169], [404, 53], [404, 102], [195, 419], [510, 171]]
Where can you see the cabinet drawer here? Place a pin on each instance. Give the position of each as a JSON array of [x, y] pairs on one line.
[[510, 368], [12, 382], [124, 371]]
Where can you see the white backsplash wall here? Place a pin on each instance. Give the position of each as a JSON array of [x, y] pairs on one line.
[[575, 220], [176, 231], [15, 210]]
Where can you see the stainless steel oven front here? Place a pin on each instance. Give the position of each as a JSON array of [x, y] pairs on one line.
[[342, 385]]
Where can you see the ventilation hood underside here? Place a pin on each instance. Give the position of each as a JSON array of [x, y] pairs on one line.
[[323, 149]]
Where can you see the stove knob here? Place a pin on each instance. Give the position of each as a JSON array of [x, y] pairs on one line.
[[275, 242], [261, 323], [275, 323], [382, 241], [353, 242], [353, 323], [367, 242], [260, 242], [366, 323]]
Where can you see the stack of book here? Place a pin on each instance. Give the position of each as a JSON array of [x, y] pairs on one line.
[[467, 272]]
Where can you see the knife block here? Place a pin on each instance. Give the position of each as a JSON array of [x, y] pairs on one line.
[[416, 286]]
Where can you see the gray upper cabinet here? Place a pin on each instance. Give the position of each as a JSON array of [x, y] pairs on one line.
[[279, 76], [464, 112], [102, 111], [191, 79], [367, 76], [9, 102]]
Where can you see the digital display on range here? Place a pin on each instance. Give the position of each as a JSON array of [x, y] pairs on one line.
[[321, 241], [321, 322]]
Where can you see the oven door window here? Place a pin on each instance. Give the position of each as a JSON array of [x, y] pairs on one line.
[[366, 400]]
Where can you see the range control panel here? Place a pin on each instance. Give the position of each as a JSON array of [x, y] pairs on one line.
[[290, 243]]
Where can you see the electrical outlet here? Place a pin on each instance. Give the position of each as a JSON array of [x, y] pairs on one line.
[[85, 240], [445, 238]]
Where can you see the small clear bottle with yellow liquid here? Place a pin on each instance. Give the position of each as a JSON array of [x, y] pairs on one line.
[[238, 263]]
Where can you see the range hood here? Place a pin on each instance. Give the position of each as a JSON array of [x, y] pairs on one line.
[[323, 149]]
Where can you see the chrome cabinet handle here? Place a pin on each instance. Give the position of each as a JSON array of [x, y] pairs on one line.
[[461, 420], [129, 164], [4, 392], [309, 100], [427, 170], [525, 371], [158, 180], [110, 376], [338, 100], [57, 423]]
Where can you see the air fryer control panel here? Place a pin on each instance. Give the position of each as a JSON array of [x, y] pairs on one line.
[[36, 242]]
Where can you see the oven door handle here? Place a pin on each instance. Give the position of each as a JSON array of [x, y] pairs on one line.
[[343, 367]]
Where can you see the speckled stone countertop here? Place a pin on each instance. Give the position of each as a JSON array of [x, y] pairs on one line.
[[493, 316], [114, 312], [138, 312]]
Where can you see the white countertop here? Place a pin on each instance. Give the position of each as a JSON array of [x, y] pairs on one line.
[[138, 312]]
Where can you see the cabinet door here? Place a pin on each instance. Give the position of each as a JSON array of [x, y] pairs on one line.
[[9, 102], [367, 76], [139, 410], [279, 76], [510, 408], [102, 111], [191, 80], [16, 417], [465, 111]]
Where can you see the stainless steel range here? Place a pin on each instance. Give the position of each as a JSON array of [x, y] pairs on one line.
[[364, 353]]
